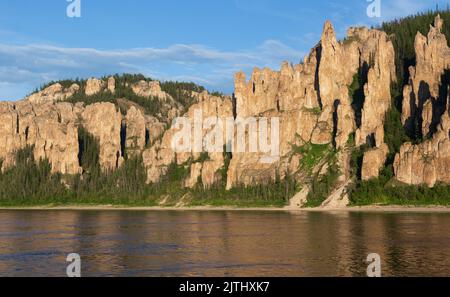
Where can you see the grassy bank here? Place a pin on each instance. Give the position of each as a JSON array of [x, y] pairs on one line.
[[149, 203]]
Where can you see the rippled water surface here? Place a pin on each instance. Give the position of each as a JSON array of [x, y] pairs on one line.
[[223, 243]]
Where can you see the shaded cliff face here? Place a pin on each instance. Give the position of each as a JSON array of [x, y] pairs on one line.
[[424, 100], [425, 113], [334, 102]]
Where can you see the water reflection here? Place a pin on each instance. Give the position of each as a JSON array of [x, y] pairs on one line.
[[223, 243]]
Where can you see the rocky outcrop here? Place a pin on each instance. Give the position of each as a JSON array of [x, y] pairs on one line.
[[379, 62], [111, 85], [428, 162], [58, 143], [10, 137], [49, 128], [421, 102], [338, 64], [135, 131], [52, 130], [94, 86], [195, 174], [169, 108], [154, 129], [149, 89], [373, 161], [53, 93], [104, 122]]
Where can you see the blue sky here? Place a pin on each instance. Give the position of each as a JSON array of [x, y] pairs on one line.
[[205, 41]]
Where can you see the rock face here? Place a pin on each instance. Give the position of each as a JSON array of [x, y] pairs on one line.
[[428, 162], [94, 86], [135, 131], [373, 162], [111, 85], [380, 60], [154, 129], [104, 122], [333, 80], [59, 144], [49, 128]]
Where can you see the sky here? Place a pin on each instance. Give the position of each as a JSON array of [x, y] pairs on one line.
[[204, 41]]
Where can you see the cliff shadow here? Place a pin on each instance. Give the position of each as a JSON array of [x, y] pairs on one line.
[[147, 137], [318, 50], [440, 104], [423, 95], [409, 123], [234, 104], [336, 104], [357, 92], [371, 141], [88, 150], [123, 140]]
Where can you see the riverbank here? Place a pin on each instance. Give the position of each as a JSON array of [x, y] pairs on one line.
[[372, 208]]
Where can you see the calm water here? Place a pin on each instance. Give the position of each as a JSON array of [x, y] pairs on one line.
[[222, 243]]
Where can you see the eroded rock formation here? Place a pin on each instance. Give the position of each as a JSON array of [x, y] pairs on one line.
[[50, 128], [422, 105], [94, 86], [104, 122], [313, 102], [425, 109], [161, 155]]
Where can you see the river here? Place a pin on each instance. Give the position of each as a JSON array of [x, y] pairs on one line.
[[223, 243]]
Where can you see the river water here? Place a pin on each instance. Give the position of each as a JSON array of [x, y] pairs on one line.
[[223, 243]]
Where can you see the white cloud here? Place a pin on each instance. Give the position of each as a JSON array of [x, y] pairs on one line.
[[28, 66]]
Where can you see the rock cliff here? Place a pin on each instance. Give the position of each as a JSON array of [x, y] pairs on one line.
[[49, 127], [313, 101], [426, 110], [422, 103]]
